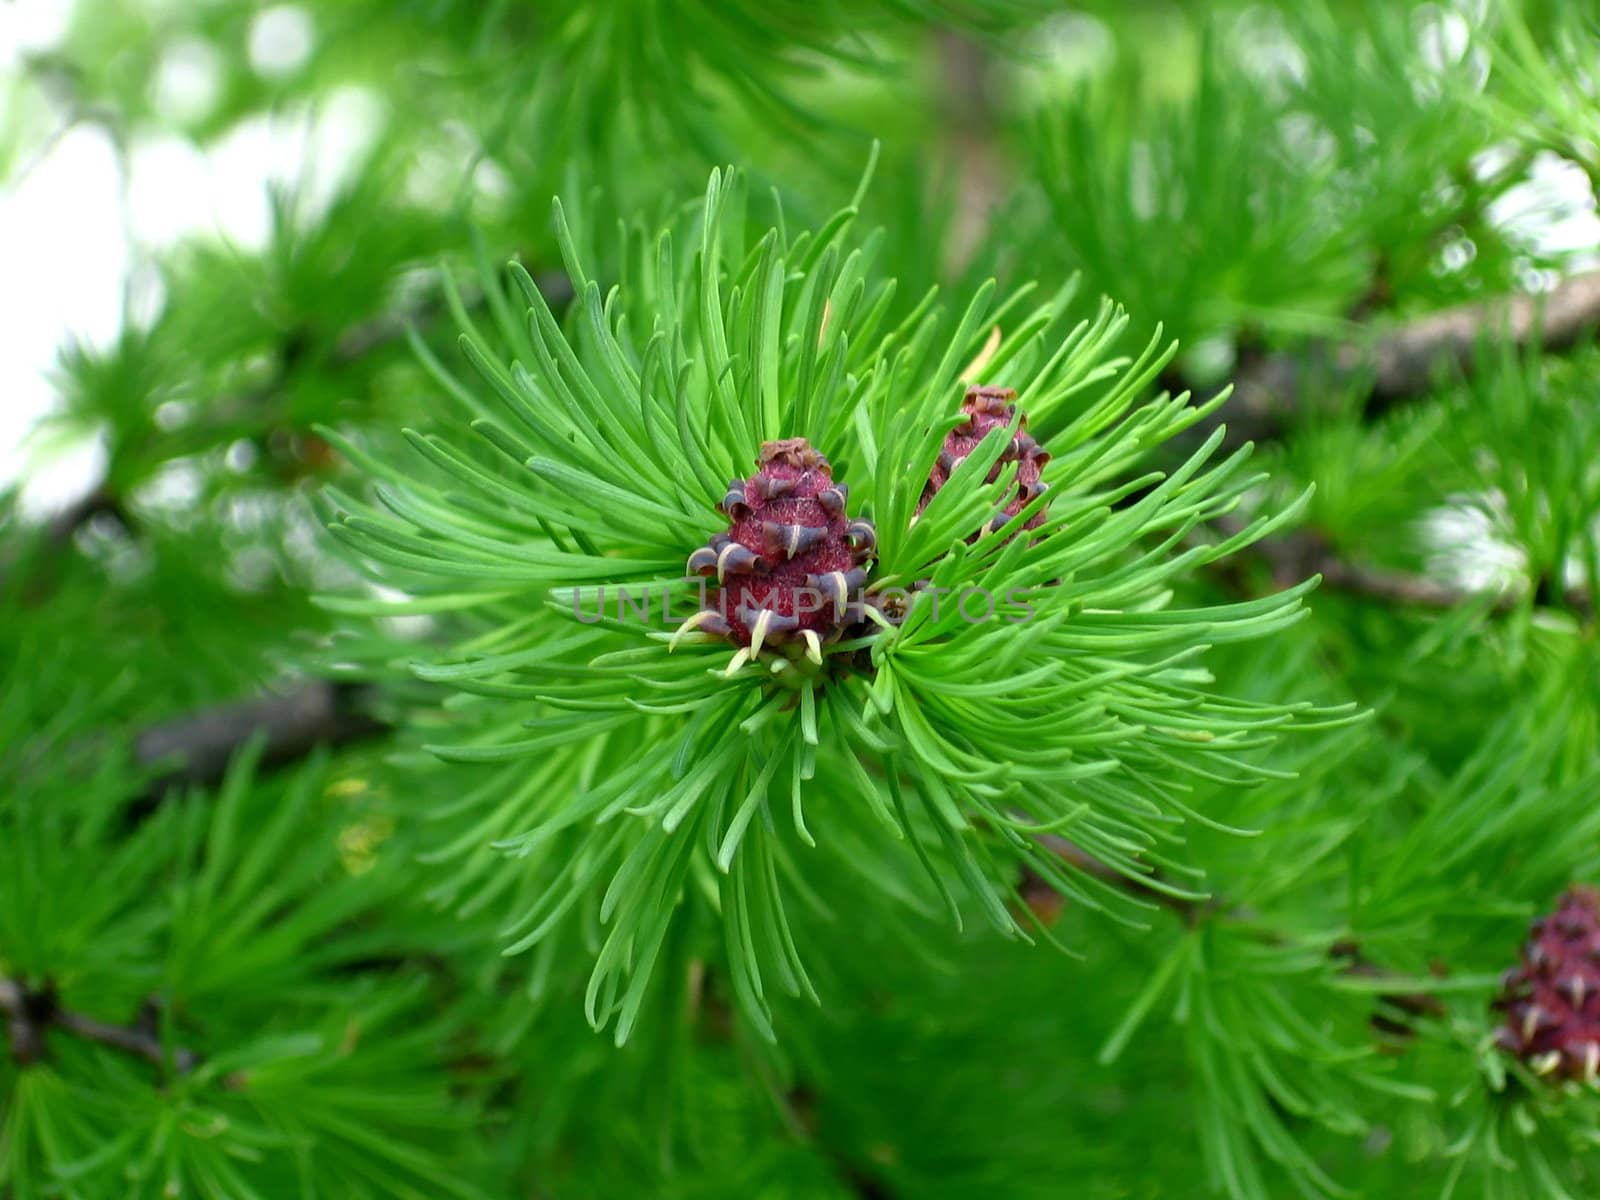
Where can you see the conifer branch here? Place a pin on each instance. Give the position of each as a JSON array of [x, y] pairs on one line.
[[1074, 855], [1401, 363], [353, 345], [1396, 1007]]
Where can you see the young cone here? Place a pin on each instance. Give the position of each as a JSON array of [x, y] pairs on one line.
[[987, 408], [1552, 999], [791, 565]]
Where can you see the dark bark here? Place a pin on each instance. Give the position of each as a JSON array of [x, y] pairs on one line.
[[30, 1013], [196, 748]]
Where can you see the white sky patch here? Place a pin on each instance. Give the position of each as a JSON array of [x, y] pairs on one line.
[[169, 194], [188, 81], [280, 41], [29, 27], [180, 190], [1553, 212], [1267, 52], [65, 256], [1442, 35], [1077, 43]]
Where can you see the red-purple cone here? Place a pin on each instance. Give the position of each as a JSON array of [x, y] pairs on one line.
[[988, 408], [1552, 999], [792, 565]]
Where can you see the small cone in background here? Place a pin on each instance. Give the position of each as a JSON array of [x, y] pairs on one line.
[[1551, 999], [987, 408]]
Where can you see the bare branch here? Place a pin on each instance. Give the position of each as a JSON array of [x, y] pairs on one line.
[[22, 1023], [30, 1013], [1402, 362], [970, 147], [197, 748], [1305, 552], [130, 1039]]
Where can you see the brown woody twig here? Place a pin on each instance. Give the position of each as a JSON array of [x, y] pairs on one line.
[[1306, 552], [1402, 362], [30, 1013], [196, 748]]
